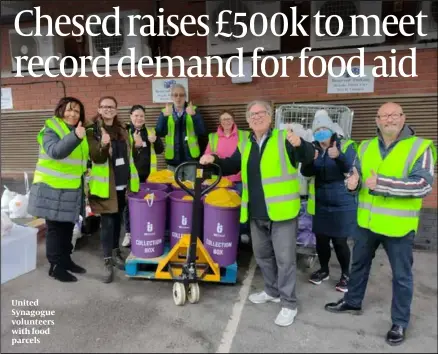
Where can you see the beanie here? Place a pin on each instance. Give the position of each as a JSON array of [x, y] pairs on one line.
[[322, 120]]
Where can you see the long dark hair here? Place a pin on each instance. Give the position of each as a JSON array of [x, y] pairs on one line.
[[62, 106], [120, 131]]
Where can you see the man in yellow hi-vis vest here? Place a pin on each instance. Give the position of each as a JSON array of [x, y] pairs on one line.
[[393, 173], [181, 125], [271, 202], [145, 150]]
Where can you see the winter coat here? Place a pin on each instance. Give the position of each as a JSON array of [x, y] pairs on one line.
[[335, 208], [57, 204], [98, 155]]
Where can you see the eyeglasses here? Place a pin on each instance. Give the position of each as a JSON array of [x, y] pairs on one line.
[[393, 116], [110, 108], [179, 95], [260, 114]]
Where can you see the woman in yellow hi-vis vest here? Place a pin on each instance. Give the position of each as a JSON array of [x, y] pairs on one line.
[[393, 173], [57, 193], [113, 174], [146, 148], [271, 203], [332, 206], [181, 125]]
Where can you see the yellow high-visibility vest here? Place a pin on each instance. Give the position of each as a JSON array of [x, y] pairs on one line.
[[64, 173], [390, 216], [280, 181]]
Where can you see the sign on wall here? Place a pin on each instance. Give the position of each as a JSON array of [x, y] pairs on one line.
[[161, 89], [347, 84], [7, 98]]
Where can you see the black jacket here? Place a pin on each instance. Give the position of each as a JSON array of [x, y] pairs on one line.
[[142, 155], [231, 165]]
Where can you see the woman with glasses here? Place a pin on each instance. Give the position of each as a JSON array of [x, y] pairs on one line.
[[181, 125], [113, 174]]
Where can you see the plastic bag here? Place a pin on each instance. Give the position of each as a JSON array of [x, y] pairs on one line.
[[77, 231], [305, 236], [6, 226], [18, 204], [7, 196]]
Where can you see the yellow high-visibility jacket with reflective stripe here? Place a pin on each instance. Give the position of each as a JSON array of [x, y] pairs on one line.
[[64, 173], [99, 177], [390, 216], [279, 180]]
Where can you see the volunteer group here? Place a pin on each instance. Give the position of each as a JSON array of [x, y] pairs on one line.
[[368, 191]]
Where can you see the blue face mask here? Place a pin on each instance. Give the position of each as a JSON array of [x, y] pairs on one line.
[[322, 135]]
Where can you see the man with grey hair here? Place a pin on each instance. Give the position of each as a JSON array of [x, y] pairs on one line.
[[271, 202], [181, 125]]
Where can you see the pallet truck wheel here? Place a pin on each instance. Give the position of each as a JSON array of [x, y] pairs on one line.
[[194, 293], [179, 294]]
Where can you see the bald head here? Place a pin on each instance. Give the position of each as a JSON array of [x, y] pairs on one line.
[[390, 119]]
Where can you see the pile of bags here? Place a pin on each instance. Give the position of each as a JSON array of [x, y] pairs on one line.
[[223, 197], [15, 204]]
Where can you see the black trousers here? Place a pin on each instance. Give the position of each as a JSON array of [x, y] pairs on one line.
[[111, 225], [58, 242], [341, 249]]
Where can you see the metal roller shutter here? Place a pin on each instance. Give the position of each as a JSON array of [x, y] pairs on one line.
[[19, 148]]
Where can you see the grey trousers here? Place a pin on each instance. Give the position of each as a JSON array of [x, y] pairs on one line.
[[188, 172], [274, 246]]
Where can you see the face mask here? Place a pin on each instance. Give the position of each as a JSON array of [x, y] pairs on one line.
[[322, 135]]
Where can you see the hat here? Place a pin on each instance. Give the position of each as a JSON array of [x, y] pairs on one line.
[[322, 120]]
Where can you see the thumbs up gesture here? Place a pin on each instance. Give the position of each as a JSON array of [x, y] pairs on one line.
[[105, 138], [371, 181], [333, 151], [80, 131], [137, 139], [294, 139], [353, 180], [190, 109], [152, 138], [168, 110]]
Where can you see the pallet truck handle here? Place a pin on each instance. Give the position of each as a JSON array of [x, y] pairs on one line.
[[199, 169]]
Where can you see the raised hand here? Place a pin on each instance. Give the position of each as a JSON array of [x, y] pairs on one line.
[[152, 137], [190, 109], [168, 110], [206, 159], [294, 139], [333, 151], [353, 180], [105, 138], [80, 131], [137, 139], [371, 182]]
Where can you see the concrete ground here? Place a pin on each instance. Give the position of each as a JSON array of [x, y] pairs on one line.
[[140, 316]]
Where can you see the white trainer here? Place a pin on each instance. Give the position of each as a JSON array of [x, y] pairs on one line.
[[262, 297], [126, 240], [285, 317]]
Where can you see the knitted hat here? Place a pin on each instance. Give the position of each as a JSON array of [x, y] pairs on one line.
[[322, 120]]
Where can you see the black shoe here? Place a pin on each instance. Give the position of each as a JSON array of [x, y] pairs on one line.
[[342, 307], [119, 262], [342, 285], [74, 268], [108, 270], [319, 276], [61, 274], [396, 335]]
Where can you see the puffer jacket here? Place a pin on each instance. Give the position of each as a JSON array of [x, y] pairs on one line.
[[57, 204]]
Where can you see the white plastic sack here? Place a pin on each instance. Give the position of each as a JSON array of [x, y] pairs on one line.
[[7, 196], [77, 231], [6, 226], [18, 204]]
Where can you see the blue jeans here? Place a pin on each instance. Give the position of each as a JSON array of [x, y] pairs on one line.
[[400, 255]]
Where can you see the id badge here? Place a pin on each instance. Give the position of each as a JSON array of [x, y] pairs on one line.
[[120, 161]]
